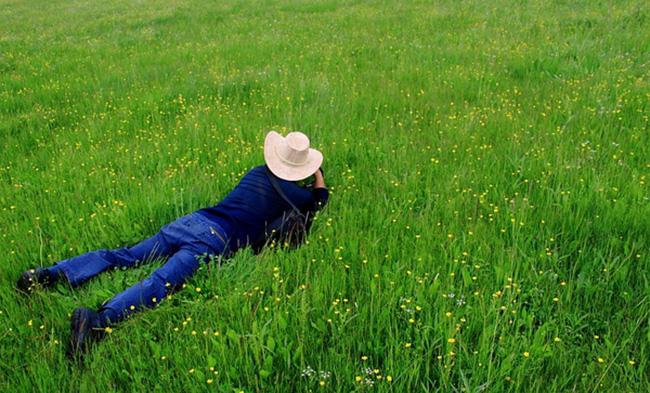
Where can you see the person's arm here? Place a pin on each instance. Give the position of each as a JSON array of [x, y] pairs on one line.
[[319, 180]]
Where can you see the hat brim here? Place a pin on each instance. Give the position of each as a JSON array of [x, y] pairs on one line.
[[284, 170]]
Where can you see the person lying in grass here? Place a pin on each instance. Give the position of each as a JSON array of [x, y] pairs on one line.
[[266, 195]]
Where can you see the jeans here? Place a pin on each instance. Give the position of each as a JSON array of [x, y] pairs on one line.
[[185, 241]]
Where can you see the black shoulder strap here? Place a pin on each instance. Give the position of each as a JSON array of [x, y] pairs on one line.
[[277, 187]]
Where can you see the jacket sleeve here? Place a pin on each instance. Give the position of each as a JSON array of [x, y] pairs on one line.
[[320, 196]]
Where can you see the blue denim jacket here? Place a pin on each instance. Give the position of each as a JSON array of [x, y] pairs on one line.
[[244, 212]]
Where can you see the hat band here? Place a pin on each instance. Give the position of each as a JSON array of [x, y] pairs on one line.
[[286, 160]]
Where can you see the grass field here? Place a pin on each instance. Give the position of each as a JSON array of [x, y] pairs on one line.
[[489, 168]]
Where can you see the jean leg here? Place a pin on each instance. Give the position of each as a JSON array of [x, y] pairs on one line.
[[82, 267], [150, 291]]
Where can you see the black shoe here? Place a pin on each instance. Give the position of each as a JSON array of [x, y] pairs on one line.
[[85, 328], [32, 278]]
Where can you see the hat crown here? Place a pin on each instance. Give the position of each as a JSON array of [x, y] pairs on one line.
[[295, 148], [291, 157]]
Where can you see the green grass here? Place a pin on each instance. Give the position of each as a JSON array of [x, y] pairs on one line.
[[489, 165]]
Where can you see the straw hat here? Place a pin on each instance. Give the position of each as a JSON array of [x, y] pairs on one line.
[[290, 157]]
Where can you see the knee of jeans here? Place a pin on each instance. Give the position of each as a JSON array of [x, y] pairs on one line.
[[117, 257], [161, 278], [123, 254], [169, 280]]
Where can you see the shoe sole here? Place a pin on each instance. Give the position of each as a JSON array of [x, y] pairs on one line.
[[82, 333], [78, 333]]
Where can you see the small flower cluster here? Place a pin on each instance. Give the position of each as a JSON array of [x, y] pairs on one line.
[[370, 376], [460, 300], [312, 375], [308, 372]]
